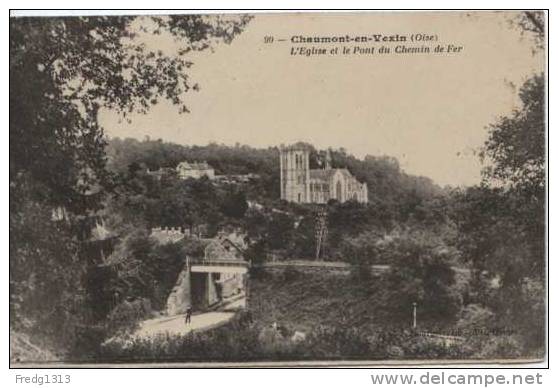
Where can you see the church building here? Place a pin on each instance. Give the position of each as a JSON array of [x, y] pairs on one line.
[[301, 184]]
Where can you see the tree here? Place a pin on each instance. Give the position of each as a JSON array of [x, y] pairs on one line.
[[516, 144], [254, 224], [165, 263], [514, 183], [349, 216], [234, 204], [361, 251], [280, 231], [45, 275], [62, 72], [532, 23], [501, 223], [304, 238], [420, 272]]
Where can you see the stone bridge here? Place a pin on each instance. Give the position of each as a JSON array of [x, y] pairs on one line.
[[204, 284], [235, 266]]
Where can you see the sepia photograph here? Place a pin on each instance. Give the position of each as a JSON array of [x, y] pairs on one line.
[[277, 188]]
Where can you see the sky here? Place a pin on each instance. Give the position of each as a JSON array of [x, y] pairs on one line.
[[430, 111]]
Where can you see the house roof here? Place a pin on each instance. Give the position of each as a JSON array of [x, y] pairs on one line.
[[221, 241], [218, 247], [194, 165]]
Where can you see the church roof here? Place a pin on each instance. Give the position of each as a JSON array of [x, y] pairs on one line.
[[326, 175], [323, 175], [346, 172]]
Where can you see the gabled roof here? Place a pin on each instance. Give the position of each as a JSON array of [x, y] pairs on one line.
[[323, 175], [218, 246], [194, 165], [346, 172], [326, 175]]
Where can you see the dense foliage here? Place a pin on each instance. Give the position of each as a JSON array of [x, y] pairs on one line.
[[428, 236], [62, 72], [471, 258], [501, 223], [341, 320]]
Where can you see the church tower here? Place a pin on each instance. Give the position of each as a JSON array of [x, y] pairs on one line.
[[328, 159], [295, 173]]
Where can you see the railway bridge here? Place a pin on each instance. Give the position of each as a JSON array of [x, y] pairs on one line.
[[205, 283]]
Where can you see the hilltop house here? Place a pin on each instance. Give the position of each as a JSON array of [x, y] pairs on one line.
[[194, 170]]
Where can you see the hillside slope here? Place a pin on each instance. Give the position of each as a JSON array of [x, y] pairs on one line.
[[304, 300], [387, 182]]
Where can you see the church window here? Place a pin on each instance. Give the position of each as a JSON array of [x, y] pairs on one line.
[[338, 191]]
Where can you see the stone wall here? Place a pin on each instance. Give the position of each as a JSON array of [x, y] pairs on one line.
[[168, 235], [212, 296], [180, 297]]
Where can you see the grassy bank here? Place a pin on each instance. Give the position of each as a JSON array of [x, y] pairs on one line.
[[341, 318], [304, 300], [308, 299]]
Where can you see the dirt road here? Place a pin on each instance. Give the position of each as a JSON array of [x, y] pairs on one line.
[[176, 325]]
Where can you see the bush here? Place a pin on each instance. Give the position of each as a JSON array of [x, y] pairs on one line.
[[234, 204], [361, 253], [235, 341], [475, 316], [291, 274], [88, 342], [337, 343], [124, 318], [426, 348], [166, 261], [420, 272], [500, 347], [531, 313], [241, 340]]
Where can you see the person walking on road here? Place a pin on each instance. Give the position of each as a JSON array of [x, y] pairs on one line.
[[188, 318]]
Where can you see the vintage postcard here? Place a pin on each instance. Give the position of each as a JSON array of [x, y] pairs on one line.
[[292, 188]]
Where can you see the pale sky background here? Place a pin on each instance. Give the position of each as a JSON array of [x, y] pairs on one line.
[[428, 111]]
